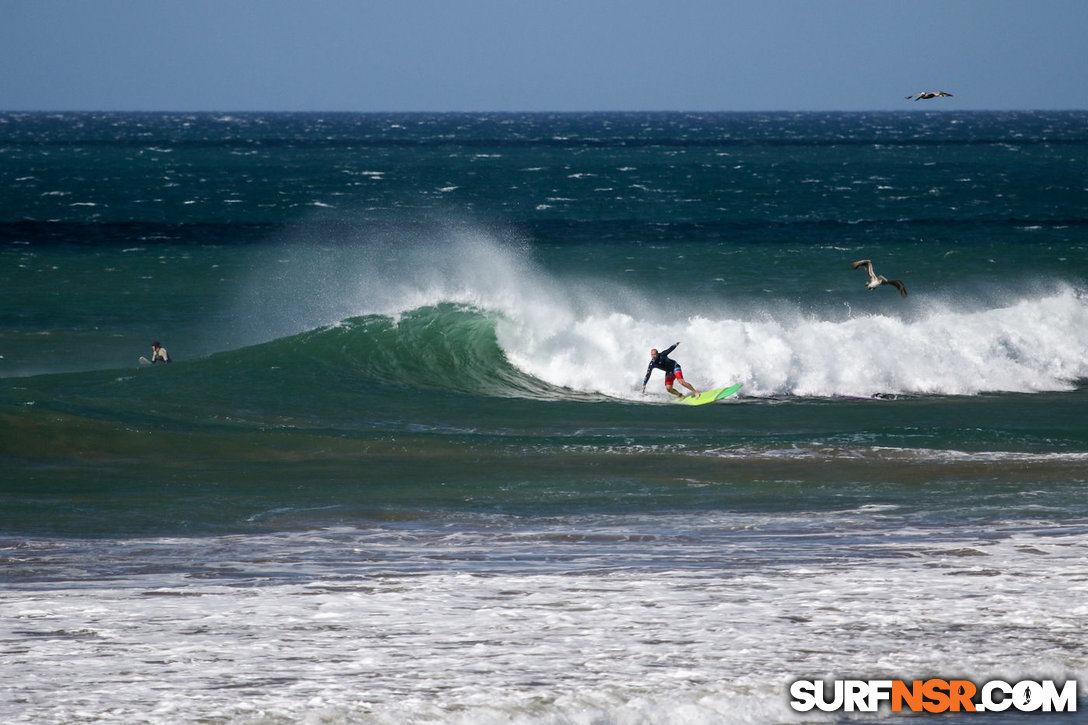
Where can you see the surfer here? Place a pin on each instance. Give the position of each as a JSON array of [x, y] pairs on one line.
[[158, 353], [662, 361], [875, 280]]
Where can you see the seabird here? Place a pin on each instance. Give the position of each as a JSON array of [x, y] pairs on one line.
[[930, 94], [875, 280]]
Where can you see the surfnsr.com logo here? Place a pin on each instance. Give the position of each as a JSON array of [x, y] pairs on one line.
[[933, 696]]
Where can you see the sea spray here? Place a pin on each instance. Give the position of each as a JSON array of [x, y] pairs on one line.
[[592, 336]]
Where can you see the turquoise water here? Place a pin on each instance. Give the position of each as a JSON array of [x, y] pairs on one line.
[[401, 469]]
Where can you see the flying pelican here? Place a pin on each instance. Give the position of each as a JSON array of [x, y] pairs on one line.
[[930, 94], [875, 280]]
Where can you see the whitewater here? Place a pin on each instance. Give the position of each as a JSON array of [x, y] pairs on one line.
[[571, 331]]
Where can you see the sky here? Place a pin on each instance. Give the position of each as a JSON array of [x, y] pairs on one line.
[[541, 55]]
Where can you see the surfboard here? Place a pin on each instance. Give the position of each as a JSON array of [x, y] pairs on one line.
[[144, 360], [708, 396]]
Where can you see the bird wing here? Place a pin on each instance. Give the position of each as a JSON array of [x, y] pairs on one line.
[[868, 269], [898, 284], [929, 94]]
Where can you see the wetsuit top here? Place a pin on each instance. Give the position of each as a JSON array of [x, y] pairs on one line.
[[160, 355], [661, 362]]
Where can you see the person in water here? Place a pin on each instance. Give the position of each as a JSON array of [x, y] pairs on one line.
[[158, 353], [662, 361]]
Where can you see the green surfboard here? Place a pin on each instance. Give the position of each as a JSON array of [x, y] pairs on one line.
[[708, 396]]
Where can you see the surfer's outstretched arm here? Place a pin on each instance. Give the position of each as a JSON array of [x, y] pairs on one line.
[[649, 371]]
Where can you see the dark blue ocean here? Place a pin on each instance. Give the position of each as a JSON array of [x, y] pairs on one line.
[[401, 468]]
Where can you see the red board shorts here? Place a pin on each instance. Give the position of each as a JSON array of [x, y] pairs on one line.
[[676, 374]]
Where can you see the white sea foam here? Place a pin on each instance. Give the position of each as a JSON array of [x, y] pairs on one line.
[[884, 454], [1030, 345], [596, 338], [525, 627]]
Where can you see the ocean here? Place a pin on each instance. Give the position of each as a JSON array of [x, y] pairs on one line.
[[401, 468]]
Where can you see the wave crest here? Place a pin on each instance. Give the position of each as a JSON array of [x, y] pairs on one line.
[[466, 310]]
